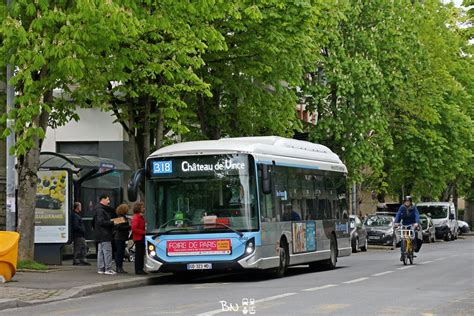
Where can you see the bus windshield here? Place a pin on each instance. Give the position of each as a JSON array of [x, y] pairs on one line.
[[436, 211], [214, 198]]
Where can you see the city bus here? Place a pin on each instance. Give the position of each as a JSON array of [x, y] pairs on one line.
[[244, 203]]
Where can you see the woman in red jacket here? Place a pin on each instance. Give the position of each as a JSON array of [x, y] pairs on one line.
[[138, 235]]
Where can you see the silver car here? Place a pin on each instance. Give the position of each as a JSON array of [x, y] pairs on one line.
[[380, 230]]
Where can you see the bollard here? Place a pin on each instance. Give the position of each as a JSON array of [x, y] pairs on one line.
[[8, 254]]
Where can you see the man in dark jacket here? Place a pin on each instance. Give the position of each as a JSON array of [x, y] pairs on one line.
[[78, 235], [103, 230]]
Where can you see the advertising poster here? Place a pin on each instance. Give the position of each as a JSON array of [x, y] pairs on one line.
[[52, 207], [304, 237], [310, 236], [198, 247]]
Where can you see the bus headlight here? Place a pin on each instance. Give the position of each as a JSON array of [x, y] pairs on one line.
[[250, 246], [151, 250]]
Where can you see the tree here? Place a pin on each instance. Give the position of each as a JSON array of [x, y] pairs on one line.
[[63, 45], [430, 125], [270, 45], [158, 67], [348, 89]]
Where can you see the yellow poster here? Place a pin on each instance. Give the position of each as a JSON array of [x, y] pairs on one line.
[[51, 211]]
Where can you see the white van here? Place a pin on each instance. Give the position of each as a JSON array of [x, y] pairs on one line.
[[444, 218]]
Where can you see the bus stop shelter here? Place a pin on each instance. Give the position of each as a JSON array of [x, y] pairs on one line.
[[62, 180]]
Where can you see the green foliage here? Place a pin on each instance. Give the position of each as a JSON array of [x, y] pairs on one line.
[[270, 45], [391, 82], [432, 123], [63, 46]]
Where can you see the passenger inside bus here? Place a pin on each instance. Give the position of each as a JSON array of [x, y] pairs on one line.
[[290, 214]]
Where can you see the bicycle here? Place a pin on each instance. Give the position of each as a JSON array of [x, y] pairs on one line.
[[407, 236]]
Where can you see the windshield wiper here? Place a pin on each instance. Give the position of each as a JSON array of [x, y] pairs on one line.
[[173, 229], [230, 228]]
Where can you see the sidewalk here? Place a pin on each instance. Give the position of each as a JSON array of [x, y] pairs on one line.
[[67, 281]]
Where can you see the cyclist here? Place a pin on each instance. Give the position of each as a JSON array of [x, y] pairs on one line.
[[409, 215]]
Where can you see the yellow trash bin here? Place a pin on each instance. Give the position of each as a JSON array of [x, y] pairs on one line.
[[8, 254]]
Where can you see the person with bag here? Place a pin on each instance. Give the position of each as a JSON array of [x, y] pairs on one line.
[[408, 214], [121, 233], [103, 230], [138, 236]]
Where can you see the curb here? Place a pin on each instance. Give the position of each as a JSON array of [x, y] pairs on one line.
[[85, 290]]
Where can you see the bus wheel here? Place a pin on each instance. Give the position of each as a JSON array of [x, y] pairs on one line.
[[331, 262], [283, 262]]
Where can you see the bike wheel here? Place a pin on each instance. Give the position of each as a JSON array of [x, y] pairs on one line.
[[410, 251], [404, 246]]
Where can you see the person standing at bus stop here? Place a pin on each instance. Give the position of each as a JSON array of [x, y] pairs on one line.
[[103, 229], [121, 232], [138, 236], [78, 235]]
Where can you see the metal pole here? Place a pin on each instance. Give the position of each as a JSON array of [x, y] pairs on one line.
[[354, 199], [11, 174]]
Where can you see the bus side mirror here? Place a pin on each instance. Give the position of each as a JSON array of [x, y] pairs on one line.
[[451, 216], [134, 184], [266, 180]]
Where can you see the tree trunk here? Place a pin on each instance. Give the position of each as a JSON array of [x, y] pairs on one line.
[[234, 123], [160, 128], [208, 114], [146, 129], [27, 179], [136, 160]]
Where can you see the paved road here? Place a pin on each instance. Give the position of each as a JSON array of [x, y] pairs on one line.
[[374, 283]]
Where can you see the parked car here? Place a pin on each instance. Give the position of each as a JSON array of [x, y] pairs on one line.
[[428, 228], [463, 227], [45, 201], [358, 234], [444, 218], [380, 230]]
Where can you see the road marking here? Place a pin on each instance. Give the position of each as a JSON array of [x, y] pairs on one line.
[[425, 262], [330, 308], [382, 273], [356, 280], [319, 287], [438, 259], [271, 298], [404, 268]]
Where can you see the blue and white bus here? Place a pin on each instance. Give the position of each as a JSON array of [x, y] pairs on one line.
[[244, 203]]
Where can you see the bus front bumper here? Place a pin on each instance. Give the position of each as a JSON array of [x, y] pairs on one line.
[[252, 261]]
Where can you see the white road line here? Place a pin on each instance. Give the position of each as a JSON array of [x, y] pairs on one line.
[[425, 262], [404, 268], [382, 273], [319, 287], [438, 259], [271, 298], [356, 280]]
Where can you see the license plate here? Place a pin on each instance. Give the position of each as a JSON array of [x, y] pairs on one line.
[[199, 266], [374, 237]]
